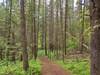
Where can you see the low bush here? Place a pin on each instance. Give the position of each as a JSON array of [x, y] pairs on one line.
[[80, 67], [16, 68]]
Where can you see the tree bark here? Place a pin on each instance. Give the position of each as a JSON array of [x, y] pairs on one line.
[[51, 26], [66, 24], [45, 24], [35, 37], [95, 37], [23, 35]]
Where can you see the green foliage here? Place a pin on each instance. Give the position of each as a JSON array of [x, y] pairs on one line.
[[16, 68], [42, 53], [77, 67], [72, 44], [35, 67], [2, 43]]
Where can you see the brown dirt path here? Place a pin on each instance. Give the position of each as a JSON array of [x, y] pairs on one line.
[[50, 68]]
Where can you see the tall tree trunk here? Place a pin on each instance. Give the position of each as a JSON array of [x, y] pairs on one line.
[[45, 24], [66, 24], [8, 21], [12, 34], [95, 37], [51, 27], [82, 13], [23, 35], [38, 28], [57, 29], [35, 48], [61, 25]]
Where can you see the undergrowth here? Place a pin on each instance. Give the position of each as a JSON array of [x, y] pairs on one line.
[[77, 67], [16, 68]]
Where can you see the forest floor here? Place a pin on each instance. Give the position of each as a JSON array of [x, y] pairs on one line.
[[51, 68]]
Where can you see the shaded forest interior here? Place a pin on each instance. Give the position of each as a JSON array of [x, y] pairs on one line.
[[65, 31]]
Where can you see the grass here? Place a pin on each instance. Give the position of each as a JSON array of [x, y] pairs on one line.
[[41, 53], [77, 67], [16, 68]]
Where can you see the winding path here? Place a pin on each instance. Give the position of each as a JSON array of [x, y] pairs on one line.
[[50, 68]]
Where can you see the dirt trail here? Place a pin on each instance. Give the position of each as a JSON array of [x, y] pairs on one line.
[[50, 68]]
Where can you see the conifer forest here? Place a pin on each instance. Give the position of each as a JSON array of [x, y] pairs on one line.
[[49, 37]]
